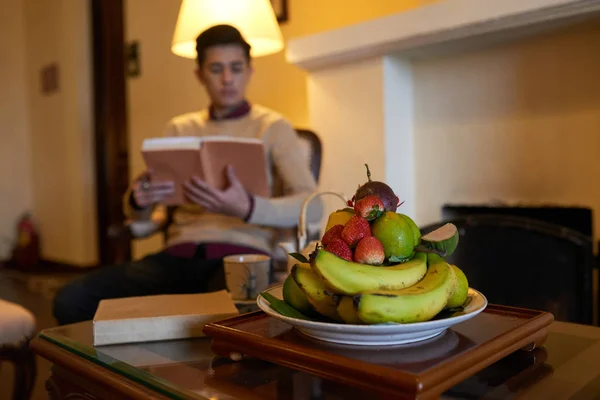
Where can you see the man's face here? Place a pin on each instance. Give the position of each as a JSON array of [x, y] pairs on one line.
[[225, 74]]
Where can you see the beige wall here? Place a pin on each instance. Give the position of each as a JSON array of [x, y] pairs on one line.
[[351, 140], [514, 123], [288, 94], [15, 171], [62, 163], [167, 86]]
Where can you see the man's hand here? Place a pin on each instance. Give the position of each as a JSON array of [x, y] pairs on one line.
[[147, 192], [233, 201]]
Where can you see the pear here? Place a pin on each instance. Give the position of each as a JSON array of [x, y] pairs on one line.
[[339, 217]]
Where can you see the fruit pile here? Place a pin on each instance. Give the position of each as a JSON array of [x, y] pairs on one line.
[[372, 266]]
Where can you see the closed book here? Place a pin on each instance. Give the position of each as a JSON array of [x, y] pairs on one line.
[[160, 317], [179, 158]]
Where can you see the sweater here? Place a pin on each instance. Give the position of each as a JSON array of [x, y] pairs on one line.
[[288, 174]]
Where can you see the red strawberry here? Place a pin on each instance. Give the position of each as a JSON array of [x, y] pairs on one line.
[[356, 228], [369, 207], [369, 251], [339, 248], [333, 233]]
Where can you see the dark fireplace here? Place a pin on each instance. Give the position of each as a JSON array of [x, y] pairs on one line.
[[532, 257], [580, 219]]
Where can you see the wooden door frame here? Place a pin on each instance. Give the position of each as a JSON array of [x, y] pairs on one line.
[[110, 128]]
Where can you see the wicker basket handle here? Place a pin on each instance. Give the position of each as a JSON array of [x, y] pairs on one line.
[[302, 228]]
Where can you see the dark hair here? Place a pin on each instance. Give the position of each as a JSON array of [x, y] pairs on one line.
[[220, 35]]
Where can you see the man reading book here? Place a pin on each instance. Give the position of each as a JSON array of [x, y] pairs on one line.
[[213, 222]]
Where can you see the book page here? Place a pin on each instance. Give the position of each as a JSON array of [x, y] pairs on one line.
[[172, 143]]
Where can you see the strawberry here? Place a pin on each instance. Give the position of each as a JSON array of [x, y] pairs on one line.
[[369, 251], [356, 228], [333, 233], [369, 207], [339, 248]]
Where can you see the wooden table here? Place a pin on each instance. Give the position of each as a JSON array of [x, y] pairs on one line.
[[567, 367]]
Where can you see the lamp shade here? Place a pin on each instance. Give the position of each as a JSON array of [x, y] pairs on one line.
[[255, 19]]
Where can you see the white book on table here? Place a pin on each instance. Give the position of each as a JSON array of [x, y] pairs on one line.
[[161, 317]]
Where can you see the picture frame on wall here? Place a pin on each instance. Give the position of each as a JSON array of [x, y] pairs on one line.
[[281, 10]]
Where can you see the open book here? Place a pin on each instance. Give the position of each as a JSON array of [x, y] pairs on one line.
[[180, 158]]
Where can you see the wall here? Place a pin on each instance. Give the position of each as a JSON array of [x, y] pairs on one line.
[[167, 86], [62, 163], [514, 123], [309, 17], [357, 140], [15, 172]]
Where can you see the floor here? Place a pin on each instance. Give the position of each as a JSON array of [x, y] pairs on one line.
[[33, 291]]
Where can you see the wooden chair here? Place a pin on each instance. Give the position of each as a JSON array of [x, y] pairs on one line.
[[314, 150]]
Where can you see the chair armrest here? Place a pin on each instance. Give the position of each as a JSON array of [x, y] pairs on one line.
[[137, 229], [144, 229]]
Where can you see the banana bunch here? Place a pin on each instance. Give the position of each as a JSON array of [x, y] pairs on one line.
[[354, 293], [373, 266]]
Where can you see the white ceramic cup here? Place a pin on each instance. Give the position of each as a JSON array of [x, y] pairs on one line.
[[246, 275]]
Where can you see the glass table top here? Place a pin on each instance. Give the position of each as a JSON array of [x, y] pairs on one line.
[[568, 366]]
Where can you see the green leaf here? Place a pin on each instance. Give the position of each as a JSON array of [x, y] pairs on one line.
[[453, 312], [282, 307], [300, 257], [374, 214], [396, 260]]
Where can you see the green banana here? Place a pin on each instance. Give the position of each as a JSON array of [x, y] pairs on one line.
[[320, 298], [417, 303], [459, 295], [350, 278], [295, 297], [347, 311]]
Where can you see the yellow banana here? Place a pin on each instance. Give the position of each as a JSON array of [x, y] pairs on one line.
[[320, 298], [347, 311], [417, 303], [350, 278]]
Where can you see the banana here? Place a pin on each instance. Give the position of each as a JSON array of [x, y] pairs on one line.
[[461, 290], [320, 298], [347, 311], [417, 303], [295, 297], [350, 278]]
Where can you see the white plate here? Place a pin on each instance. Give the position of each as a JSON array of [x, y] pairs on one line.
[[375, 335]]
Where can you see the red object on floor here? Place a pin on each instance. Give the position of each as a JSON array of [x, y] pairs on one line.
[[26, 252]]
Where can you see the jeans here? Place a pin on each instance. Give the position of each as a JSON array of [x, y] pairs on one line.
[[159, 273]]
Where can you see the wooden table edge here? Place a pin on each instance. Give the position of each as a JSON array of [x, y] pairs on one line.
[[92, 371]]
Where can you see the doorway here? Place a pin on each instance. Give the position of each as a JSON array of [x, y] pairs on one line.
[[110, 129]]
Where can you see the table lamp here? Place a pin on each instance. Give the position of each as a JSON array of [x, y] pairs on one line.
[[255, 19]]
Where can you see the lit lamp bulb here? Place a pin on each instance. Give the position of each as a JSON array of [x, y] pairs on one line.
[[255, 19]]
